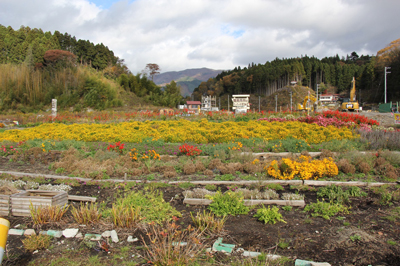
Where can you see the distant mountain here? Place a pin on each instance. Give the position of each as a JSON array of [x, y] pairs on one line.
[[188, 79]]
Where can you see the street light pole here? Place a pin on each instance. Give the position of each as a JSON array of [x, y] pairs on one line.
[[386, 72], [276, 103]]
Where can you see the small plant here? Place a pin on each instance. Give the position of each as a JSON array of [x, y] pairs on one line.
[[282, 244], [346, 223], [326, 209], [206, 222], [86, 214], [166, 248], [186, 185], [333, 193], [189, 150], [355, 238], [227, 203], [36, 242], [226, 177], [356, 192], [60, 170], [45, 214], [211, 187], [274, 186], [126, 217], [392, 242], [287, 208], [270, 215]]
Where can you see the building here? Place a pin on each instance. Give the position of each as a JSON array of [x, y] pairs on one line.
[[328, 98], [209, 103], [193, 106]]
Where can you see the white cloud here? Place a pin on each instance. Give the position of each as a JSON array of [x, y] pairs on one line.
[[221, 34]]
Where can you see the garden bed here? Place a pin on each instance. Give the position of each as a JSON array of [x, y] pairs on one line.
[[369, 234]]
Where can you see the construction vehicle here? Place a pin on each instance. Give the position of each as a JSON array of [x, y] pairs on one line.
[[308, 104], [349, 104]]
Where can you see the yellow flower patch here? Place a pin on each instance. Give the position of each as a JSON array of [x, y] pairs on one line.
[[181, 131], [304, 168]]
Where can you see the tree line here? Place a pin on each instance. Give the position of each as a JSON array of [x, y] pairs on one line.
[[329, 72]]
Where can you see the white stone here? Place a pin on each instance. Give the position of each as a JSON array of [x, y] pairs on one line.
[[70, 232], [79, 235], [106, 234], [114, 236], [320, 264], [29, 232], [15, 232], [131, 239], [55, 233]]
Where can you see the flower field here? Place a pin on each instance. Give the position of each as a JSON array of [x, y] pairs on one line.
[[181, 131]]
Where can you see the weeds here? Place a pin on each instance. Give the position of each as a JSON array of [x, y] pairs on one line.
[[86, 214], [206, 222], [270, 215], [166, 247], [45, 214], [36, 242], [227, 203], [126, 217], [326, 209], [186, 185]]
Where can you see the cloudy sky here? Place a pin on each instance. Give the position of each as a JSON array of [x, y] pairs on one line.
[[218, 34]]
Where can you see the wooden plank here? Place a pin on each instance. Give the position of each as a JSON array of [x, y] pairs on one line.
[[296, 203], [191, 201], [81, 198]]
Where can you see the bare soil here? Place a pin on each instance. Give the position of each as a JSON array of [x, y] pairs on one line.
[[310, 238]]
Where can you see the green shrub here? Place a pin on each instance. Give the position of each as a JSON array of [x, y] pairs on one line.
[[270, 215], [152, 206], [227, 203], [326, 209], [226, 177]]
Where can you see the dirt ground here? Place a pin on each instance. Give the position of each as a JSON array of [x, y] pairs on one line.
[[384, 119], [308, 238]]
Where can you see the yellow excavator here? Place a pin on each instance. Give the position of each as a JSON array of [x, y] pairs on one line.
[[349, 104], [308, 104]]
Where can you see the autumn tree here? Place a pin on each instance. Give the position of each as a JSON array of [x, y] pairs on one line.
[[152, 69]]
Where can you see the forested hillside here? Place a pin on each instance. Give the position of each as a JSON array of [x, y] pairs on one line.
[[330, 72], [37, 66]]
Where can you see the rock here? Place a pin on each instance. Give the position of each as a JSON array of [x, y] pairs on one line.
[[320, 264], [29, 232], [15, 232], [79, 235], [106, 234], [70, 232], [55, 233], [114, 236], [43, 233], [131, 239]]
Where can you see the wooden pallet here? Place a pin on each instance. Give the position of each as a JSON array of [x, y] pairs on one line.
[[20, 202], [4, 205]]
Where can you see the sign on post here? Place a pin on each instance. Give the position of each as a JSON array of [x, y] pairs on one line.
[[396, 118], [54, 108]]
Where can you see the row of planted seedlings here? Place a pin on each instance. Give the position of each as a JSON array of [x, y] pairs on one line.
[[146, 212]]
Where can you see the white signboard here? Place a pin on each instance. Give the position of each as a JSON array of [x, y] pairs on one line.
[[54, 108]]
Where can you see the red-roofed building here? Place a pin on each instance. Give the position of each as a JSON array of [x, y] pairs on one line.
[[193, 106]]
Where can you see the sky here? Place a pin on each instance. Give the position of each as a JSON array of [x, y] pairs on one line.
[[217, 34]]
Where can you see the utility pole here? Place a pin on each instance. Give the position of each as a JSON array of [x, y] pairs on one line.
[[290, 101], [276, 103], [228, 102], [386, 72], [317, 97], [259, 101], [219, 104]]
